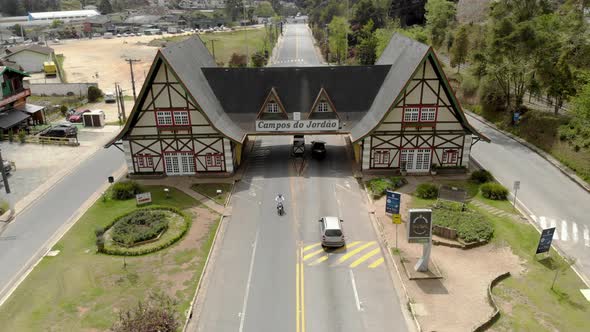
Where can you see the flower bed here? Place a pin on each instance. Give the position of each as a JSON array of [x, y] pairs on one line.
[[471, 226], [177, 225]]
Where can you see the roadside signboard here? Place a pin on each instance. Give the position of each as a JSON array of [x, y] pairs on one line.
[[516, 185], [396, 218], [420, 226], [143, 198], [545, 240], [392, 202], [297, 116]]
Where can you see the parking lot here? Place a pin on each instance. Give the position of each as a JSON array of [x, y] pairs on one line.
[[38, 165]]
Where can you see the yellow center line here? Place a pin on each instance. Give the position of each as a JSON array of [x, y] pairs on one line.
[[355, 251], [365, 257], [311, 246], [310, 255], [297, 301], [302, 298], [376, 263]]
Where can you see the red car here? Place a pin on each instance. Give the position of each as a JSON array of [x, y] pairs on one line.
[[77, 116]]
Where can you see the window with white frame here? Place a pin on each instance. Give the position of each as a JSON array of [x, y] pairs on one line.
[[181, 118], [450, 156], [428, 114], [272, 107], [164, 118], [323, 107], [381, 157], [213, 159], [411, 114], [144, 160], [140, 162]]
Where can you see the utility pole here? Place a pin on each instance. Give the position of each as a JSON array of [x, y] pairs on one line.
[[118, 106], [131, 61], [6, 185], [122, 101], [213, 49]]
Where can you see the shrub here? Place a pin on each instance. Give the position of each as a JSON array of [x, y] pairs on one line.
[[495, 191], [238, 61], [99, 231], [22, 136], [379, 186], [63, 110], [471, 226], [258, 59], [139, 226], [93, 94], [158, 313], [125, 190], [427, 191], [481, 176], [100, 243], [469, 86], [11, 136], [491, 96]]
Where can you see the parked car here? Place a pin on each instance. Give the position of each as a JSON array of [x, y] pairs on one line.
[[109, 97], [56, 132], [318, 149], [71, 129], [77, 117]]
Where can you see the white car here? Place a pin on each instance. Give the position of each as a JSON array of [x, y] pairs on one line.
[[109, 97]]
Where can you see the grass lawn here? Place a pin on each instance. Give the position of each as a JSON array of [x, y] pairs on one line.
[[227, 43], [82, 290], [210, 190], [527, 302]]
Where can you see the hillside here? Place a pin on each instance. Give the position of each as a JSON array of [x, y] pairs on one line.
[[469, 11]]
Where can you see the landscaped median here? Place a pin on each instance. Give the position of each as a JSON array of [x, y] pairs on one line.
[[81, 289], [459, 301]]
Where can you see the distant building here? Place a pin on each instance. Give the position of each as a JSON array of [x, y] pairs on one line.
[[29, 57], [63, 15]]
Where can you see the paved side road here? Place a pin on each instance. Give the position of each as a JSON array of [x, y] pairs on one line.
[[551, 198], [26, 237]]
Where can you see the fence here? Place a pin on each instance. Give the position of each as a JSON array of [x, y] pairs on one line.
[[52, 140], [61, 89]]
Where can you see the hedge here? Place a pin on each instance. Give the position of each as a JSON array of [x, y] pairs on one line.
[[471, 226], [139, 226], [125, 190], [481, 176], [379, 186], [495, 191], [427, 191], [130, 252]]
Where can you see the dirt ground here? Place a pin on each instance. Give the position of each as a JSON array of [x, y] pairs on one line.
[[442, 304], [85, 58]]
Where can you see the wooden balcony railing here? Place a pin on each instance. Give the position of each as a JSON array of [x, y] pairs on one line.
[[14, 97]]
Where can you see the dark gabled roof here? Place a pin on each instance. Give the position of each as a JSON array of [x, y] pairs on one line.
[[404, 55], [11, 118], [32, 47]]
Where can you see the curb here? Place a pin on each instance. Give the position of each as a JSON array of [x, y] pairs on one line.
[[189, 314], [562, 168], [496, 314], [525, 212], [383, 242], [59, 233]]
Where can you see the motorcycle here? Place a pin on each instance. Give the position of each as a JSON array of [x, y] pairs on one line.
[[280, 209]]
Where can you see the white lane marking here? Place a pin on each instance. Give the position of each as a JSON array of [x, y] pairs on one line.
[[245, 304], [564, 236], [543, 222], [532, 215], [586, 236], [356, 294], [575, 232], [554, 225]]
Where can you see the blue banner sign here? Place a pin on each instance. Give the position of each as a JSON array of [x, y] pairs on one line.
[[393, 202], [545, 241]]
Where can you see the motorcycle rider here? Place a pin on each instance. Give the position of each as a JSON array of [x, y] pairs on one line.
[[279, 199]]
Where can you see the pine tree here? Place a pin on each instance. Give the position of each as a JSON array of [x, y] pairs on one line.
[[460, 47], [105, 7]]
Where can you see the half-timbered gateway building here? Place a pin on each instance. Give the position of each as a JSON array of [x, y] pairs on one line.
[[192, 117]]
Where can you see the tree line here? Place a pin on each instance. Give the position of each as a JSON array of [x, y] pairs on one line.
[[23, 7]]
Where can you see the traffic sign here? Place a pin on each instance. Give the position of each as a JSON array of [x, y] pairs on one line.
[[396, 218], [516, 185], [420, 226], [545, 240], [392, 202]]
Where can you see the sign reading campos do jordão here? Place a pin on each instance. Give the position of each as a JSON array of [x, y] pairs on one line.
[[419, 225], [297, 125]]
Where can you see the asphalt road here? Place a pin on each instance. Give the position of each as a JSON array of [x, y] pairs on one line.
[[297, 48], [269, 272], [27, 236], [553, 200]]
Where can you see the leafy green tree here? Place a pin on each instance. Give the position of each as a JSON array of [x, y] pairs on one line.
[[234, 9], [366, 10], [258, 59], [158, 313], [264, 9], [105, 7], [460, 48], [12, 7], [56, 24], [440, 14], [337, 35], [367, 50]]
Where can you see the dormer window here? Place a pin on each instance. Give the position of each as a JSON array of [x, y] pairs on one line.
[[323, 106], [272, 107]]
